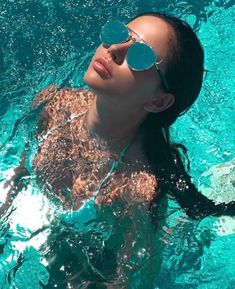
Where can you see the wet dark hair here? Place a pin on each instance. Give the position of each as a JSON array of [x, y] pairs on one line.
[[184, 74]]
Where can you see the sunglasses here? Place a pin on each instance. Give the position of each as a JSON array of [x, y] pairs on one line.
[[140, 56]]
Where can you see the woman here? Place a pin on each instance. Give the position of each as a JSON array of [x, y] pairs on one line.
[[140, 84], [111, 147]]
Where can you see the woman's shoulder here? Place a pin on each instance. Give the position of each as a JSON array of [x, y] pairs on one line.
[[139, 187], [56, 98], [144, 186], [60, 105]]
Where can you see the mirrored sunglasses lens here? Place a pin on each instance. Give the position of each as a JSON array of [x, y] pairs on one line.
[[140, 56], [114, 32]]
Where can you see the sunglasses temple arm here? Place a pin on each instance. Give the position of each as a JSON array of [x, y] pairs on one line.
[[163, 79]]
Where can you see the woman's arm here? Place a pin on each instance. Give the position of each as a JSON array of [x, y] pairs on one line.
[[139, 250], [15, 184]]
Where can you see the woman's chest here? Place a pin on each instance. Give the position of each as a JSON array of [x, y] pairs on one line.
[[72, 161], [66, 153]]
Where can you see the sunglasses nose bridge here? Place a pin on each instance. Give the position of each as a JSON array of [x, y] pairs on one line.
[[119, 51]]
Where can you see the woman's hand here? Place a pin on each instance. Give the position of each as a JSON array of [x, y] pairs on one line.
[[14, 184]]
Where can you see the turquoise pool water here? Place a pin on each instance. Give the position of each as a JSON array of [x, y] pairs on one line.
[[45, 42]]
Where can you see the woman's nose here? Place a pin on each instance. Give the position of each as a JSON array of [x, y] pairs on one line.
[[118, 51]]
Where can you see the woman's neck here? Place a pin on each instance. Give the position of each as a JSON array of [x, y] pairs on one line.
[[117, 125]]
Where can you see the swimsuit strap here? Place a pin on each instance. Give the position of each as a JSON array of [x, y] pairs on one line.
[[114, 167]]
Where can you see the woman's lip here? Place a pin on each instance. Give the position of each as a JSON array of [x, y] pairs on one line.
[[101, 67]]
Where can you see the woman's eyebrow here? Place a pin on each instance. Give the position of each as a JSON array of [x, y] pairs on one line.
[[132, 31]]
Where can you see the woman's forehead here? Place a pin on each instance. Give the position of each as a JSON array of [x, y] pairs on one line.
[[155, 31]]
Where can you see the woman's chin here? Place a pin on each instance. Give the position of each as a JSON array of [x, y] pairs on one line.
[[93, 80], [95, 83]]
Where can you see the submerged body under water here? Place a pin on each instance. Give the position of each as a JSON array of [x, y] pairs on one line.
[[116, 242]]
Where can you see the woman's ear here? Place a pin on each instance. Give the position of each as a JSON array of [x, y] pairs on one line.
[[161, 103]]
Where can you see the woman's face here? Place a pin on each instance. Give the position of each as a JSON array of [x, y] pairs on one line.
[[122, 82]]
